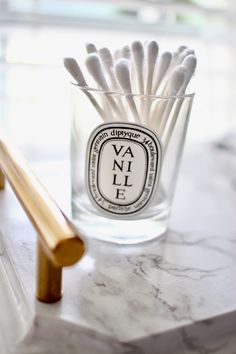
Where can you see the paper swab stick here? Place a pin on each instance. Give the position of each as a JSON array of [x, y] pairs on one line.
[[95, 69], [73, 68], [123, 76]]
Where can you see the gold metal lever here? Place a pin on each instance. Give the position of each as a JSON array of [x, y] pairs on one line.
[[2, 180], [58, 245]]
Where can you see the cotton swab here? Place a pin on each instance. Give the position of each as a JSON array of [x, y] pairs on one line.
[[125, 52], [151, 54], [181, 48], [176, 83], [91, 48], [117, 54], [122, 73], [95, 69], [138, 60], [162, 70], [72, 66], [163, 65], [177, 59], [138, 69], [178, 56], [107, 62], [183, 55], [189, 64]]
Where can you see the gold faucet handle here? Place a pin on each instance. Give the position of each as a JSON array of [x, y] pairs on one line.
[[60, 245]]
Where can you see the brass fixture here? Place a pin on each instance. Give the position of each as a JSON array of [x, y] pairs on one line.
[[59, 244], [2, 180]]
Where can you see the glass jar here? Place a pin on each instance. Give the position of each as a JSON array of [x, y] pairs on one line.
[[125, 157]]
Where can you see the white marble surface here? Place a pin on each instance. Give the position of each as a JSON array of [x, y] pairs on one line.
[[175, 295]]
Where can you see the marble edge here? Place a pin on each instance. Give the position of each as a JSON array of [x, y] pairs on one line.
[[47, 334], [203, 331], [83, 340]]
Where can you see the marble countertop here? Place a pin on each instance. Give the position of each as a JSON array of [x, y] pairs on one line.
[[174, 295]]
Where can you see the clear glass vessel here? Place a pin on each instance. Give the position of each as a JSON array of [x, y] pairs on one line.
[[125, 157]]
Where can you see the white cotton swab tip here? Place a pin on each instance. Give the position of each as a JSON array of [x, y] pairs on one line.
[[152, 52], [91, 48], [189, 63], [174, 86], [166, 57], [116, 54], [186, 52], [125, 52], [107, 61], [163, 65], [95, 69], [137, 52], [123, 74], [177, 79], [106, 57], [137, 47], [72, 66], [181, 48]]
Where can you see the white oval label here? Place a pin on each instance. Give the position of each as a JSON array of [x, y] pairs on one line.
[[123, 167]]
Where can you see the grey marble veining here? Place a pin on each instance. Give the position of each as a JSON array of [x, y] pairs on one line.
[[174, 295]]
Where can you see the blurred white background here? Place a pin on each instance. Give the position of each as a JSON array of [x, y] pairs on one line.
[[35, 35]]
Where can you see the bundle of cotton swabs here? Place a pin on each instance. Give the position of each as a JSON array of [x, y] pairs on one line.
[[132, 78]]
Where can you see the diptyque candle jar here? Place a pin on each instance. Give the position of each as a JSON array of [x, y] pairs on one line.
[[123, 167]]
